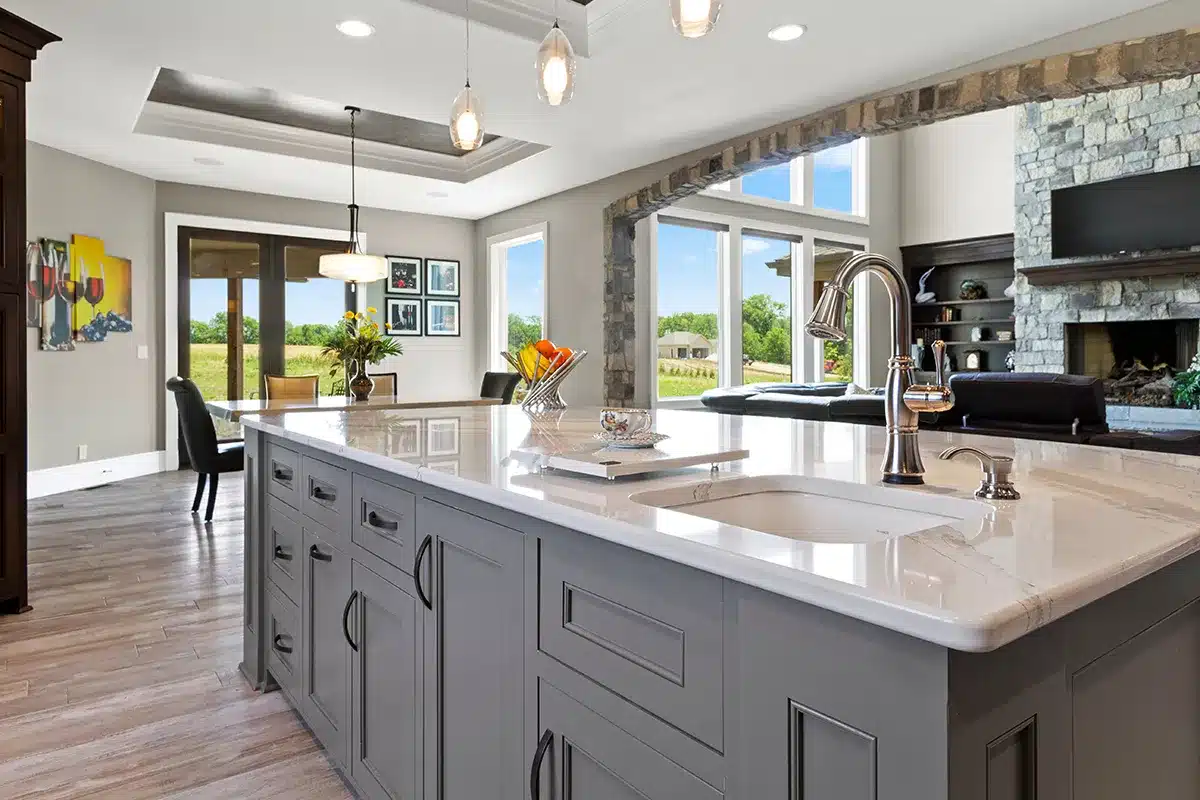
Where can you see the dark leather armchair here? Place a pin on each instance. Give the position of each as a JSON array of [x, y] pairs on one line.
[[499, 385], [207, 457]]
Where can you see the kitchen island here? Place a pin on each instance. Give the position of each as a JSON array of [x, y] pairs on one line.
[[453, 623]]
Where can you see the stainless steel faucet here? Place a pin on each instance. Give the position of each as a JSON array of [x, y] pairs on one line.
[[997, 473], [903, 399]]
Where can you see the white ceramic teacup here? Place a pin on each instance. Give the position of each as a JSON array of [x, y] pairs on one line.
[[625, 421]]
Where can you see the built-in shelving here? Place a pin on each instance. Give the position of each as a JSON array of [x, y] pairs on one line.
[[984, 342], [937, 303]]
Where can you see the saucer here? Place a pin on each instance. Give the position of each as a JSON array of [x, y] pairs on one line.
[[637, 441]]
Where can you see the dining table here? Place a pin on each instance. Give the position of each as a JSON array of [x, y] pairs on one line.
[[234, 410]]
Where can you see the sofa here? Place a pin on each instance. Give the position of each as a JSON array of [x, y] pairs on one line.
[[1021, 405]]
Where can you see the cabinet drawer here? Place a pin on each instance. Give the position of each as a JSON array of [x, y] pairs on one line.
[[384, 522], [645, 628], [325, 497], [596, 760], [283, 642], [283, 474], [285, 550]]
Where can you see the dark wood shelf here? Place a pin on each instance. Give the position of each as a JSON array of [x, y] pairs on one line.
[[963, 302], [1101, 269], [979, 322], [986, 341]]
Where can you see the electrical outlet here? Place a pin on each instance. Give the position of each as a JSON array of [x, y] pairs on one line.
[[143, 352], [83, 452]]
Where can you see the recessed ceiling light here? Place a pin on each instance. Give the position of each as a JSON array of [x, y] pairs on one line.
[[205, 161], [437, 195], [356, 28], [786, 33]]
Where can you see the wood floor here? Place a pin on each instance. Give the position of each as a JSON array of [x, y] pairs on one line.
[[123, 682]]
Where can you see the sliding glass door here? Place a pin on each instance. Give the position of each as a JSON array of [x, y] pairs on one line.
[[252, 305]]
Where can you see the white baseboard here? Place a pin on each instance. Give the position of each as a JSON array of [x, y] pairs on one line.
[[84, 475]]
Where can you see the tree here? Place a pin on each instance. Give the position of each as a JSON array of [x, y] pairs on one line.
[[689, 322], [752, 343], [777, 346], [762, 313], [249, 330], [522, 331]]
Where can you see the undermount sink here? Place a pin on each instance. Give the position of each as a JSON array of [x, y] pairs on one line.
[[816, 509]]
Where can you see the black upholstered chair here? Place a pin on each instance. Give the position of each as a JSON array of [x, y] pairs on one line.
[[499, 385], [207, 457]]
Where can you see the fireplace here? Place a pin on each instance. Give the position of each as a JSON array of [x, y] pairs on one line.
[[1137, 360]]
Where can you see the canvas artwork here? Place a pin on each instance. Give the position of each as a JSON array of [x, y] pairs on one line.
[[403, 317], [404, 275], [104, 290], [442, 318], [33, 285], [443, 278], [56, 294]]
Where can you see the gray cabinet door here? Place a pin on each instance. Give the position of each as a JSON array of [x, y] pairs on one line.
[[473, 575], [386, 738], [590, 758], [325, 668]]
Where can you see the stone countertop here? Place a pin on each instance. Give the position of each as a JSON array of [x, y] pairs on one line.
[[1090, 521], [234, 410]]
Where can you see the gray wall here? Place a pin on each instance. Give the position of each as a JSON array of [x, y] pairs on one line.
[[100, 394], [575, 257]]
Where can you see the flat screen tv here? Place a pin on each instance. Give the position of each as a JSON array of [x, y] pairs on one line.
[[1156, 211]]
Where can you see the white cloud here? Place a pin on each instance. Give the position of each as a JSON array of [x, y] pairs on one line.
[[750, 246]]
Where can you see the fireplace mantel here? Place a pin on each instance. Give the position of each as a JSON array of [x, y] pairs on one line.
[[1108, 269]]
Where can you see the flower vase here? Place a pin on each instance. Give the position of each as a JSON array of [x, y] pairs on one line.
[[361, 384]]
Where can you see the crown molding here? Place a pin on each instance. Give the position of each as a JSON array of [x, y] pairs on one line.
[[527, 20], [187, 124]]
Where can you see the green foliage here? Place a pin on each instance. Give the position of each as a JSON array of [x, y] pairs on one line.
[[690, 322], [216, 331], [522, 331], [1186, 389], [358, 338], [762, 313]]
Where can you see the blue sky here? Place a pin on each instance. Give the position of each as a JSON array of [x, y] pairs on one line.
[[525, 284], [318, 300]]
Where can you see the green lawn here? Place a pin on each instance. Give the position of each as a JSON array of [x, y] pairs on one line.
[[208, 368], [692, 377]]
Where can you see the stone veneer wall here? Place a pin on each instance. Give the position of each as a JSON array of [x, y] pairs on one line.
[[1078, 140]]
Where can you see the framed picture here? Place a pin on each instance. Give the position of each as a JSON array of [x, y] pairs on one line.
[[404, 275], [442, 318], [405, 439], [441, 437], [403, 317], [442, 278]]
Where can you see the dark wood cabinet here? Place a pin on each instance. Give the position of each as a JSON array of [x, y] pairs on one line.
[[20, 42]]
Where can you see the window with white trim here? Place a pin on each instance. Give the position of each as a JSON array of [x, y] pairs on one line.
[[516, 292], [690, 260], [832, 182]]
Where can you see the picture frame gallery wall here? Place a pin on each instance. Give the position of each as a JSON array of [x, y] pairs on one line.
[[423, 297]]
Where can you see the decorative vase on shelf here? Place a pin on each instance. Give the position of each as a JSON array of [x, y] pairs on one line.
[[361, 384], [973, 290]]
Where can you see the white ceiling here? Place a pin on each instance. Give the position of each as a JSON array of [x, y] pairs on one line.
[[643, 95]]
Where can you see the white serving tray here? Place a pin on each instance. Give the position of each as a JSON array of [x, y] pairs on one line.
[[612, 463]]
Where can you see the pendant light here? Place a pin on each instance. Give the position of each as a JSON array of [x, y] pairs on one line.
[[466, 116], [353, 266], [694, 18], [555, 66]]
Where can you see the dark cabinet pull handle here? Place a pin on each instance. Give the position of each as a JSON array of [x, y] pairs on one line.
[[376, 521], [535, 772], [320, 493], [281, 474], [346, 620], [316, 553], [421, 551], [279, 645], [281, 554]]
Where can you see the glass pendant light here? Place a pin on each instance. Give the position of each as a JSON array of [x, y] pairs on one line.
[[353, 266], [466, 116], [694, 18], [556, 66]]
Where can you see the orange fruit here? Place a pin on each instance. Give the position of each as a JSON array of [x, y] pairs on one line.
[[546, 348], [566, 353]]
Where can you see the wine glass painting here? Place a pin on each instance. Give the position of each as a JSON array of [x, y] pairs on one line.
[[103, 291], [33, 284], [55, 311]]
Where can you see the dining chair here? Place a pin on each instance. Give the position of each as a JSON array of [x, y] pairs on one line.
[[208, 457], [386, 384], [499, 385], [293, 387]]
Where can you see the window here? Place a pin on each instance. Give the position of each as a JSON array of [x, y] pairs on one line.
[[832, 182], [517, 285], [835, 360], [766, 310], [687, 294], [312, 304]]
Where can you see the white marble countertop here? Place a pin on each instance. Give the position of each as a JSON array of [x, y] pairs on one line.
[[1090, 521], [234, 410]]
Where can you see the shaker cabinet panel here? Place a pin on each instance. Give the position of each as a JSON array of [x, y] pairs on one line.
[[474, 655], [583, 756], [325, 670], [385, 742]]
